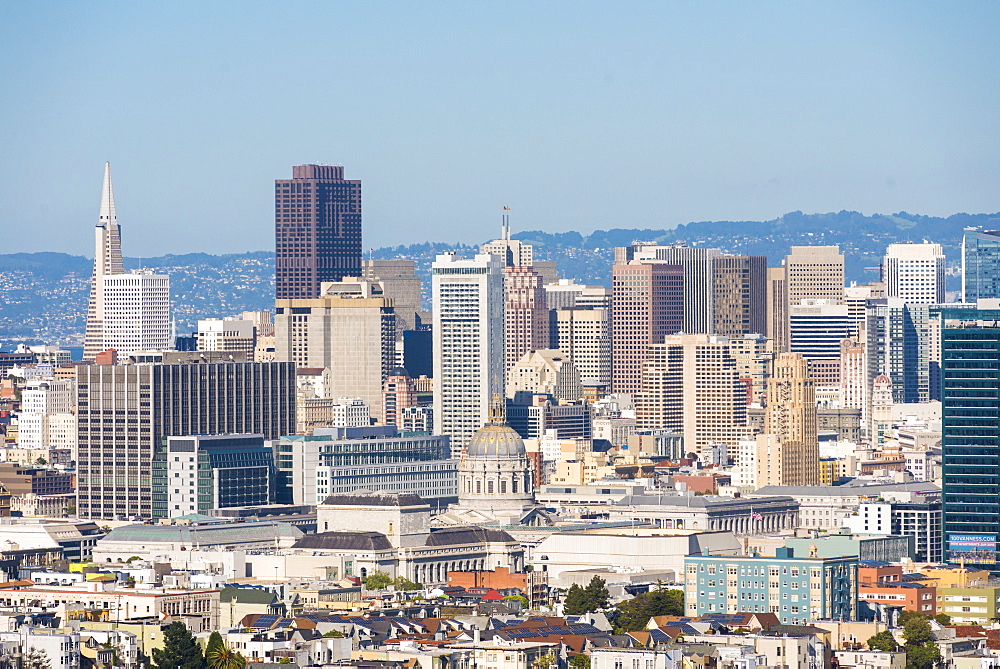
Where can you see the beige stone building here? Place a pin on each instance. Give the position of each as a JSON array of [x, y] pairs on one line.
[[544, 372], [690, 384], [790, 444], [585, 336], [350, 329]]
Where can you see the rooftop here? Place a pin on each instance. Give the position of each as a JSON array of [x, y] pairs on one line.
[[369, 498]]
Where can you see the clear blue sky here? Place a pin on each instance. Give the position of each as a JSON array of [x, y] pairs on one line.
[[578, 115]]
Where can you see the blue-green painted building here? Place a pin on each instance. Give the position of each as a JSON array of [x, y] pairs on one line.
[[796, 589], [970, 381]]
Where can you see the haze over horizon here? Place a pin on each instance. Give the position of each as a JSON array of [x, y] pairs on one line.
[[579, 116]]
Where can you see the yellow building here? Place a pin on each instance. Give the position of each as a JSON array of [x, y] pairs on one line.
[[953, 577]]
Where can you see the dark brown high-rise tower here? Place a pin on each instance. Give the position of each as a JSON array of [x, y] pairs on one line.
[[317, 221]]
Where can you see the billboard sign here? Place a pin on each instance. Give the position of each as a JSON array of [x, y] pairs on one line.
[[974, 548]]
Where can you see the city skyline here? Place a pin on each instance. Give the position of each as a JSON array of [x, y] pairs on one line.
[[691, 112]]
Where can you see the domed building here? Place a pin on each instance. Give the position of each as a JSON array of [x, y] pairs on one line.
[[495, 478]]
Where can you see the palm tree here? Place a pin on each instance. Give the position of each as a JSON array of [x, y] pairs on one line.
[[224, 657]]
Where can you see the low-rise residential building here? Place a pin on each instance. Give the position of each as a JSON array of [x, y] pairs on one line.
[[882, 585], [797, 589], [970, 605], [198, 608], [57, 650], [869, 659], [516, 655], [636, 658]]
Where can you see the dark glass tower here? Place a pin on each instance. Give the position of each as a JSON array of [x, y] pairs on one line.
[[317, 223], [970, 371]]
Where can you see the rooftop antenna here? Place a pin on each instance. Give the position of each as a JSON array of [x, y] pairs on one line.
[[505, 225]]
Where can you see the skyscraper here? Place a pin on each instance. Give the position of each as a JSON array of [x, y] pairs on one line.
[[125, 412], [648, 304], [814, 273], [136, 312], [691, 384], [350, 329], [107, 260], [697, 270], [526, 318], [914, 273], [777, 308], [468, 344], [816, 328], [900, 344], [317, 221], [790, 416], [739, 295], [585, 336], [970, 349], [980, 265]]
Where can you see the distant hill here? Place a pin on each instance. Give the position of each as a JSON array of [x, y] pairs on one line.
[[43, 296]]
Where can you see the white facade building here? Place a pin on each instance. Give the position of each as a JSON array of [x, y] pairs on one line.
[[226, 334], [136, 312], [914, 273], [46, 419], [468, 344], [350, 412]]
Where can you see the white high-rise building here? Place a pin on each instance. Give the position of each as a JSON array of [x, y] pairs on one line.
[[136, 312], [46, 419], [468, 344], [914, 273]]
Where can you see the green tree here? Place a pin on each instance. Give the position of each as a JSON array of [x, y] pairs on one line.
[[943, 619], [883, 641], [377, 580], [580, 661], [403, 583], [907, 616], [585, 600], [921, 651], [922, 657], [179, 649], [215, 642], [634, 614], [917, 631]]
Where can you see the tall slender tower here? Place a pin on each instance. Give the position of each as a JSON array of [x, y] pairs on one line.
[[791, 417], [468, 343], [107, 260]]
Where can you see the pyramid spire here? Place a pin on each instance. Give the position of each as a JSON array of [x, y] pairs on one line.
[[107, 260], [108, 213]]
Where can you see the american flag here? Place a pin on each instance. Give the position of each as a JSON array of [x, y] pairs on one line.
[[755, 515]]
